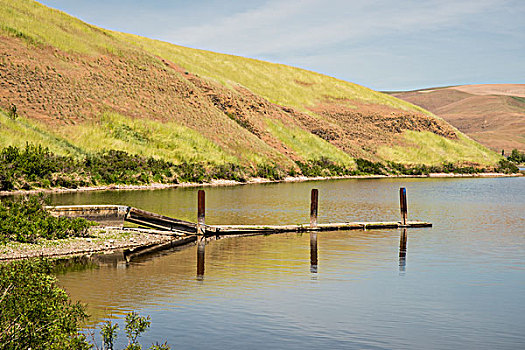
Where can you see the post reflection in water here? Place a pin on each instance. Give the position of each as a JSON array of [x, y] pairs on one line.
[[313, 252], [403, 250], [200, 259]]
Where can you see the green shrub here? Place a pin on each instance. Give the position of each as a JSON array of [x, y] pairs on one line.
[[13, 112], [507, 167], [34, 312], [517, 157], [36, 166], [270, 171], [24, 219], [323, 167], [368, 167]]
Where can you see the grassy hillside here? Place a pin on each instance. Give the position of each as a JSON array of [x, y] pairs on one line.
[[492, 114], [80, 89]]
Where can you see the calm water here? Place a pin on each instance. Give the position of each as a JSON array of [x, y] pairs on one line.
[[460, 286]]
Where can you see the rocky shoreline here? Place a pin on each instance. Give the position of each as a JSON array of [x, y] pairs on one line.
[[100, 241]]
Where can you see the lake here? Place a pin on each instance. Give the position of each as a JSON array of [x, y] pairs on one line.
[[459, 285]]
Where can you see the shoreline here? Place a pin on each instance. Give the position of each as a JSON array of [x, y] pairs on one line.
[[102, 240], [252, 181]]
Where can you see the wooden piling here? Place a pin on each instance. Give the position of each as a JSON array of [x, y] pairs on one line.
[[313, 207], [201, 210], [403, 205]]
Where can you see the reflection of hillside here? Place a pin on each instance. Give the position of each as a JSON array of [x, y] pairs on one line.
[[233, 265]]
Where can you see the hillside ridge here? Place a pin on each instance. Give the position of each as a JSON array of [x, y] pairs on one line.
[[79, 89], [492, 114]]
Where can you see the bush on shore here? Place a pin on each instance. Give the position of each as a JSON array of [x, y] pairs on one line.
[[25, 219], [517, 157], [34, 312], [37, 314], [507, 167]]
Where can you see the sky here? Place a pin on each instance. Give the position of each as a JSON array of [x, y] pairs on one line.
[[381, 44]]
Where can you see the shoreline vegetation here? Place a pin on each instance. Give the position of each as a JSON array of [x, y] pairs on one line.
[[36, 169], [35, 312]]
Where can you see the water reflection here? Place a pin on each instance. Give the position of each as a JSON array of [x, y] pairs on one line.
[[313, 252], [403, 250], [465, 289], [201, 248]]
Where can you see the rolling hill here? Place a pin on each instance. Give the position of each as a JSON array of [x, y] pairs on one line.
[[78, 89], [492, 114]]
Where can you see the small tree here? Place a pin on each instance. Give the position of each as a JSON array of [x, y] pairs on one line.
[[517, 157], [135, 326]]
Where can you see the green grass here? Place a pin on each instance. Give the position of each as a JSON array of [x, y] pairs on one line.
[[307, 145], [166, 140], [430, 149], [281, 84], [19, 131], [38, 24]]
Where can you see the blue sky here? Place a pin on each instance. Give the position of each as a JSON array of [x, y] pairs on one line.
[[384, 45]]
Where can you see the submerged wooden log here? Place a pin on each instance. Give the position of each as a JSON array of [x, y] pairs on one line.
[[266, 229], [160, 222]]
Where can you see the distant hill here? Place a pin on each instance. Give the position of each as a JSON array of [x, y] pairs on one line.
[[77, 88], [492, 114]]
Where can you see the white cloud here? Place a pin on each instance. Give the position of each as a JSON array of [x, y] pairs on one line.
[[301, 25]]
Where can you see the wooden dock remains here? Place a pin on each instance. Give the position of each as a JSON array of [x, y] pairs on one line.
[[201, 230]]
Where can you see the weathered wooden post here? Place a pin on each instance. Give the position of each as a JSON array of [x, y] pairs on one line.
[[201, 210], [313, 207], [313, 252], [403, 205]]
